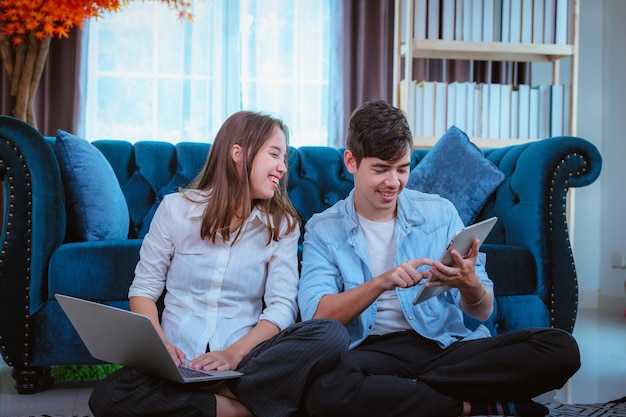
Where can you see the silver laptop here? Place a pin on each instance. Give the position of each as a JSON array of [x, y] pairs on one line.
[[125, 338]]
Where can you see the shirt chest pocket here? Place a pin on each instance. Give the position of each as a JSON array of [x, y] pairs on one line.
[[354, 272]]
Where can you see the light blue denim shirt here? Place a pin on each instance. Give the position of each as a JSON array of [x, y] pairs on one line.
[[336, 259]]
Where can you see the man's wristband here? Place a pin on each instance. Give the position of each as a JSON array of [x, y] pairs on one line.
[[480, 301]]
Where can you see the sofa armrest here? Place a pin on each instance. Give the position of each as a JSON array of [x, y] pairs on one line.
[[532, 207], [99, 270], [33, 226]]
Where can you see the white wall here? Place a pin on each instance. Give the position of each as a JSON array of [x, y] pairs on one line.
[[599, 219]]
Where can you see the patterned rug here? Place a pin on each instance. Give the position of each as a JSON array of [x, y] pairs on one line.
[[616, 408]]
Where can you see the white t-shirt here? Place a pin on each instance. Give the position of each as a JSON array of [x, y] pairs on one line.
[[379, 239]]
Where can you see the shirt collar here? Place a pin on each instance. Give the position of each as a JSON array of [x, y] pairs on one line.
[[408, 212], [199, 201]]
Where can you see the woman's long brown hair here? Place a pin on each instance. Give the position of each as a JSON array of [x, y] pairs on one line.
[[229, 185]]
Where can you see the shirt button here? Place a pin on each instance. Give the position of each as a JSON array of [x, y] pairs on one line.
[[410, 317]]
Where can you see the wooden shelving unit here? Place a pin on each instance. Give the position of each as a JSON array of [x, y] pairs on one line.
[[408, 48]]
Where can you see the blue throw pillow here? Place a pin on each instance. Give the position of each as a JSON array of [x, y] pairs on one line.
[[457, 169], [96, 207]]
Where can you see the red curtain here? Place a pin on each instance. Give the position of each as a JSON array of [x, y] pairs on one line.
[[368, 52]]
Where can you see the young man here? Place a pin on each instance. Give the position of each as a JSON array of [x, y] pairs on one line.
[[363, 263]]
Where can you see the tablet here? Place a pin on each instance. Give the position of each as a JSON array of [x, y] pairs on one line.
[[462, 242]]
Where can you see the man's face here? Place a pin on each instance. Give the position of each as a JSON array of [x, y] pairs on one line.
[[377, 184]]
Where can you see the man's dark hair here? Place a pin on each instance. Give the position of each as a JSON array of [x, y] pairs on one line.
[[378, 129]]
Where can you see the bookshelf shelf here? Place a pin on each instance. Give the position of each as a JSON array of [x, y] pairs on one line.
[[489, 51]]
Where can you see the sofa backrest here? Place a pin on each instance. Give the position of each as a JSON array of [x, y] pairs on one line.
[[317, 178], [148, 170]]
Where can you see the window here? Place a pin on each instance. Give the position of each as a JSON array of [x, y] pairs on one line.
[[153, 77]]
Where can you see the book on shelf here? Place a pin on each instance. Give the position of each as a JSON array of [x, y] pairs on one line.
[[538, 21], [544, 111], [447, 19], [560, 29], [402, 94], [467, 20], [441, 92], [549, 21], [458, 20], [488, 20], [524, 111], [404, 99], [494, 111], [451, 109], [418, 119], [570, 21], [484, 110], [497, 20], [533, 113], [420, 16], [477, 20], [429, 108], [478, 111], [514, 113], [505, 21], [556, 109], [527, 21], [461, 106], [432, 31], [515, 25], [505, 111], [470, 108]]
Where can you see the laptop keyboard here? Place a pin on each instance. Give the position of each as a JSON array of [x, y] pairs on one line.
[[191, 373]]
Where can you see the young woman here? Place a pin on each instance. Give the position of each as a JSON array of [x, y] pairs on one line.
[[225, 252]]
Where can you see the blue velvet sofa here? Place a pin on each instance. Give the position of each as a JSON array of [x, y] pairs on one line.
[[529, 255]]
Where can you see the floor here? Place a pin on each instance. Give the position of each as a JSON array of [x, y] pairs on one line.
[[602, 377]]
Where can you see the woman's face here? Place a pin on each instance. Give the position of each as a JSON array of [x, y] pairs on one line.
[[268, 166]]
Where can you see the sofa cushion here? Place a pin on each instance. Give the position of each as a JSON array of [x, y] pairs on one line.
[[96, 207], [521, 312], [457, 169], [511, 268]]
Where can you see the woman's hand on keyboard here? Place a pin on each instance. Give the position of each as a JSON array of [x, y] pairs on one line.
[[178, 356], [222, 360]]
